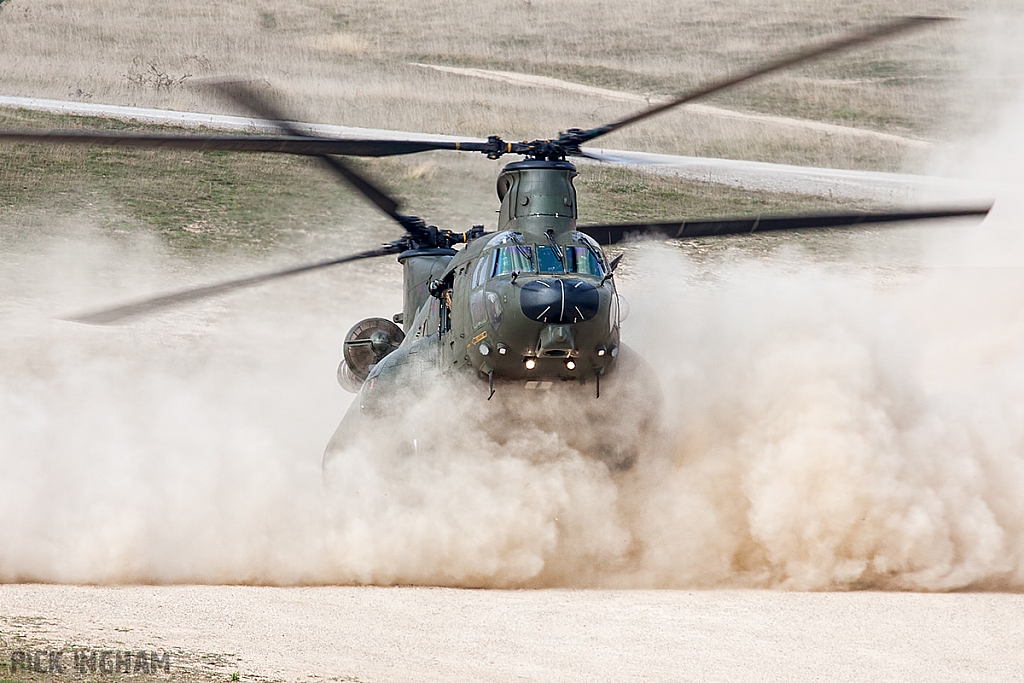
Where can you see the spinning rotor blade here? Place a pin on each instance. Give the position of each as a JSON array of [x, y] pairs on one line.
[[245, 96], [880, 31], [116, 314], [710, 227], [597, 156], [282, 144], [293, 141]]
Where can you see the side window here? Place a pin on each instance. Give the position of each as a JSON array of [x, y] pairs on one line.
[[483, 268], [478, 309]]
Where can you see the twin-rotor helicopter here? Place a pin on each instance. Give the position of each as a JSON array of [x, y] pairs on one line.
[[531, 304]]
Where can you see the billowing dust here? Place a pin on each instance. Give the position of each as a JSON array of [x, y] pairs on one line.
[[823, 427], [820, 432]]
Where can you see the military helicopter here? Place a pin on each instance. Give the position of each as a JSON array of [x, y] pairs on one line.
[[531, 304]]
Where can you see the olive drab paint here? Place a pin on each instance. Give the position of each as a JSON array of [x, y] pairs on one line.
[[531, 302]]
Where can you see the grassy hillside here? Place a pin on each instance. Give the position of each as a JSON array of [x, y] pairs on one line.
[[350, 63]]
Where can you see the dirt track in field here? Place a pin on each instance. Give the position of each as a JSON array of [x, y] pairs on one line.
[[702, 109]]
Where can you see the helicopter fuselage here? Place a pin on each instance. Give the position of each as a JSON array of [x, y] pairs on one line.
[[532, 302], [532, 306]]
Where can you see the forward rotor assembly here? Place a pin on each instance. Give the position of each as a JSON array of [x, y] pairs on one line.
[[419, 235]]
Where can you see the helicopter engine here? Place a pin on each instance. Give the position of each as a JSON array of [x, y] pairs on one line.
[[366, 344]]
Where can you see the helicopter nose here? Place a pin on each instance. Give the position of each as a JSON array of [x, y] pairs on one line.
[[559, 301], [557, 340]]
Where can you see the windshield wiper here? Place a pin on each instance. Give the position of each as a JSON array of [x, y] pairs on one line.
[[554, 245]]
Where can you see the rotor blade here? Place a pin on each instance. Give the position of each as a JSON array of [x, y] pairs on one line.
[[710, 227], [108, 316], [379, 197], [880, 31], [244, 95], [283, 144], [599, 156]]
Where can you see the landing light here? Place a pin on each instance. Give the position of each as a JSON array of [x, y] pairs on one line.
[[502, 349], [484, 349], [570, 365], [601, 351], [531, 363]]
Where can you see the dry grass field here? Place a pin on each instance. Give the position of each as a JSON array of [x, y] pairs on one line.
[[351, 64]]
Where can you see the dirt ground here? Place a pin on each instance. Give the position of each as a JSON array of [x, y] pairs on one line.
[[425, 634]]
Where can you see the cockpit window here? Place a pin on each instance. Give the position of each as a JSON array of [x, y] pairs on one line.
[[582, 260], [518, 258], [548, 260]]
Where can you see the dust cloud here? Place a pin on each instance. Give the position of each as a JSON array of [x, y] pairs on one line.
[[823, 428], [820, 432]]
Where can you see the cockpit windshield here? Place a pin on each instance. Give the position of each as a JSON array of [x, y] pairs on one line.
[[512, 256], [582, 260], [588, 257], [548, 260], [517, 258]]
